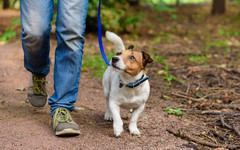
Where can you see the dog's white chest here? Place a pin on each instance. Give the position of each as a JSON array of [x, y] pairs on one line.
[[131, 97], [131, 103]]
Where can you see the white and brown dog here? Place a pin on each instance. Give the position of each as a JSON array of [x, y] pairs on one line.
[[125, 84]]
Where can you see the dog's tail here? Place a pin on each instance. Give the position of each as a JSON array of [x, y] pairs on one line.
[[116, 40]]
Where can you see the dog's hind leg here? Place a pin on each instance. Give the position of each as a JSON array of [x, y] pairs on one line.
[[134, 118], [107, 87], [108, 113]]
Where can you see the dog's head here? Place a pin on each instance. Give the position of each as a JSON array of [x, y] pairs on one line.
[[130, 61]]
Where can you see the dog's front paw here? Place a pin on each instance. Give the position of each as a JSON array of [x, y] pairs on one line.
[[118, 128], [118, 133], [134, 130], [108, 117]]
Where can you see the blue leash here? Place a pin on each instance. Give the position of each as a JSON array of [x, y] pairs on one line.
[[100, 35]]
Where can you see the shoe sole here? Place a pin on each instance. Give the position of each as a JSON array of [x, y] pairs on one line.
[[67, 132], [37, 101]]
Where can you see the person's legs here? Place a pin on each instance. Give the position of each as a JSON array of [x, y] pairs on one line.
[[70, 28], [36, 16]]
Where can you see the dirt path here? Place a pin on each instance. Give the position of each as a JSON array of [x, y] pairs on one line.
[[23, 127]]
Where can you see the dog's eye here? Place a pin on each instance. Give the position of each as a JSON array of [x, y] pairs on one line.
[[132, 57]]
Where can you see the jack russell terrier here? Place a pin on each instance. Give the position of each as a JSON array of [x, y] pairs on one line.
[[125, 84]]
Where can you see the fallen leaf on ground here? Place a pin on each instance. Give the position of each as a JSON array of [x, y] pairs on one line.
[[21, 89], [79, 108]]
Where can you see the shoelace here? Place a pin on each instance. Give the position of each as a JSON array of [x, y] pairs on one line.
[[38, 87], [62, 115]]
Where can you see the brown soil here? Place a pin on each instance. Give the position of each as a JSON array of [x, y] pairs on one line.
[[25, 127]]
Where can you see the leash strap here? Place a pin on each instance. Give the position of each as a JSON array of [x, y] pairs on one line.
[[100, 35]]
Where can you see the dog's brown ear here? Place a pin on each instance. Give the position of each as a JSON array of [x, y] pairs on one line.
[[130, 47], [146, 58]]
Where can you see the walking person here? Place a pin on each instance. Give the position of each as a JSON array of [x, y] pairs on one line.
[[36, 16]]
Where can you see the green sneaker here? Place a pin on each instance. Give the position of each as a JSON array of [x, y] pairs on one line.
[[37, 93], [63, 123]]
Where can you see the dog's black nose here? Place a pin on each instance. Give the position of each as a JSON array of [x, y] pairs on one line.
[[115, 59]]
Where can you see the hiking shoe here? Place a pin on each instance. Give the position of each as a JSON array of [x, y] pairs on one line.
[[37, 93], [63, 123]]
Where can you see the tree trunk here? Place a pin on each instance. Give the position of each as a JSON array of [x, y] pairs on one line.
[[133, 2], [177, 3], [218, 7], [6, 4]]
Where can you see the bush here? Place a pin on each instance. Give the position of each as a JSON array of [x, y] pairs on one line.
[[114, 16]]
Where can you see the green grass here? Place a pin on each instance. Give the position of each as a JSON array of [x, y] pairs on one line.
[[10, 32], [165, 74], [177, 112], [169, 78], [229, 32], [162, 37], [95, 64], [175, 17], [226, 51], [198, 58], [158, 59], [218, 44]]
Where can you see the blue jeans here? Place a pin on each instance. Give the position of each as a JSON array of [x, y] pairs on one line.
[[36, 16]]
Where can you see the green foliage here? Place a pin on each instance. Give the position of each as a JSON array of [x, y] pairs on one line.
[[198, 58], [160, 19], [226, 51], [164, 8], [10, 31], [16, 21], [118, 16], [8, 34], [114, 15], [153, 2], [95, 64], [175, 17], [177, 112], [173, 2], [134, 36], [158, 58], [166, 75], [156, 39], [200, 95], [169, 78], [166, 37], [229, 32], [159, 5], [218, 44], [162, 37]]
